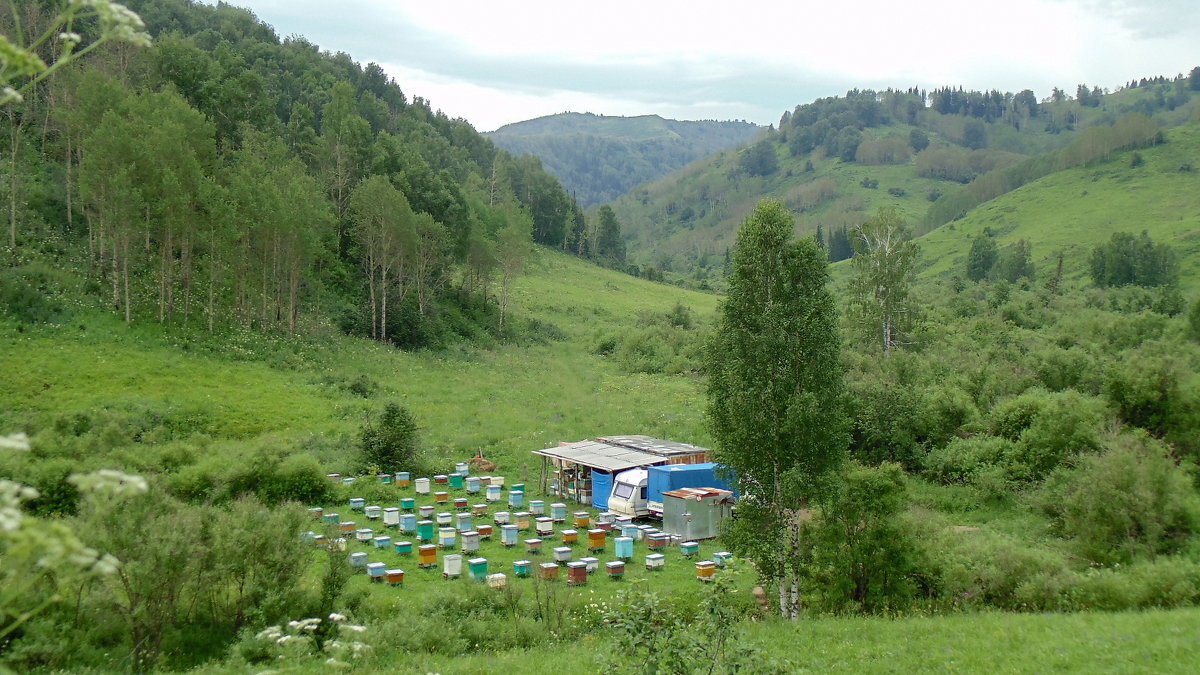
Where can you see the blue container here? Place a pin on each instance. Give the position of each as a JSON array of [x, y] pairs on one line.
[[385, 478], [462, 468], [383, 541], [408, 522], [537, 507], [632, 531], [516, 498], [357, 503], [509, 535], [376, 570], [403, 478], [558, 512], [331, 518], [403, 547], [456, 481], [465, 522], [358, 560], [408, 503], [472, 484], [447, 537], [521, 567], [493, 493], [624, 548]]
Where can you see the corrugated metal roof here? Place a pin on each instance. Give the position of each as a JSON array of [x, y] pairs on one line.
[[697, 493], [655, 446], [603, 456]]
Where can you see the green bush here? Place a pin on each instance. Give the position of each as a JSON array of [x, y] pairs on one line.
[[961, 460], [1130, 502]]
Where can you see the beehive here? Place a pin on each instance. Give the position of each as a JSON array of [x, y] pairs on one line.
[[591, 563], [316, 512], [331, 518], [632, 531], [425, 511], [655, 561], [606, 517], [441, 479], [723, 558], [373, 512], [497, 580], [537, 507], [521, 567], [570, 537], [357, 503], [465, 521], [427, 556], [472, 484], [522, 519], [479, 509], [705, 570], [422, 486], [444, 518], [558, 512], [385, 478], [391, 517], [597, 539], [470, 541], [484, 530], [544, 527], [347, 527], [478, 568], [562, 554], [658, 541], [622, 521], [382, 541], [447, 537], [548, 571], [338, 544], [624, 548], [493, 493], [462, 468], [508, 535], [395, 577], [689, 548], [403, 547], [425, 530], [408, 522], [576, 573], [498, 481], [319, 540], [502, 517], [462, 503], [533, 545], [308, 536], [376, 571], [520, 487], [408, 503], [335, 477], [583, 520], [441, 497], [364, 534], [452, 566], [358, 560], [516, 498], [616, 569], [607, 527], [456, 481], [402, 479]]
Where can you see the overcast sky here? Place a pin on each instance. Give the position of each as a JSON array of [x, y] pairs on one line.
[[496, 62]]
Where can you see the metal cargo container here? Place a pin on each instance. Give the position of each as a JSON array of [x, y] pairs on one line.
[[696, 513]]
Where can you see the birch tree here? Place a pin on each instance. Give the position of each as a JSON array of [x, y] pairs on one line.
[[884, 267], [775, 392]]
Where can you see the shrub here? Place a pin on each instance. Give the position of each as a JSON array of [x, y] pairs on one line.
[[1132, 501], [391, 443], [962, 458]]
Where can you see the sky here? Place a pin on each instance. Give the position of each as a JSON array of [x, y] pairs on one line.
[[498, 62]]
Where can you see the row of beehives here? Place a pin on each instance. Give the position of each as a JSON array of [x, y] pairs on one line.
[[460, 478]]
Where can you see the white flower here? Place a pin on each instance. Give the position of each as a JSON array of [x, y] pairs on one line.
[[356, 629]]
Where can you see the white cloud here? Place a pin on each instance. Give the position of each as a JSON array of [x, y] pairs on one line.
[[505, 61]]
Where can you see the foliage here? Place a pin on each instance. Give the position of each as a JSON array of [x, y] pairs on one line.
[[775, 390], [1127, 260], [390, 444], [860, 556], [1132, 501], [982, 256], [884, 268]]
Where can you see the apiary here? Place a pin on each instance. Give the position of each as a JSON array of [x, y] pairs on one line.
[[456, 481], [408, 522], [516, 498], [425, 530], [465, 521], [558, 512], [689, 549], [544, 527], [521, 568], [382, 541], [364, 534]]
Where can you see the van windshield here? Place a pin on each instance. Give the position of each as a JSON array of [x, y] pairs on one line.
[[623, 490]]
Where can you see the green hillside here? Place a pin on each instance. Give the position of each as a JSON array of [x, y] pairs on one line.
[[599, 157], [685, 222], [1073, 210]]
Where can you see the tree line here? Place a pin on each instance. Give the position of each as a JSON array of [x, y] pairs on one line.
[[224, 175]]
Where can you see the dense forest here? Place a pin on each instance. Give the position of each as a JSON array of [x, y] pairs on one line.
[[599, 158], [225, 175]]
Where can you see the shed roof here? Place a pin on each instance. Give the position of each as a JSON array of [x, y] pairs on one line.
[[655, 446], [600, 455]]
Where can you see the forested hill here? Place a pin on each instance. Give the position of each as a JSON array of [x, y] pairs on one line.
[[934, 155], [599, 157], [226, 175]]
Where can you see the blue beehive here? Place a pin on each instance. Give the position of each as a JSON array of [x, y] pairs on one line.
[[357, 503], [509, 535], [624, 548], [408, 522], [465, 521]]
